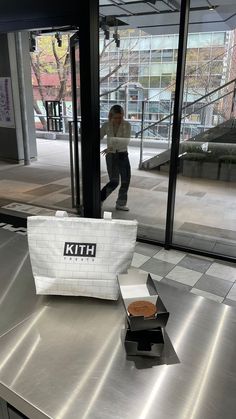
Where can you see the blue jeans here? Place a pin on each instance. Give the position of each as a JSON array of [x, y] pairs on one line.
[[118, 167]]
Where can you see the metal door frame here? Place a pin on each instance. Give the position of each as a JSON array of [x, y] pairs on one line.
[[73, 130], [89, 203]]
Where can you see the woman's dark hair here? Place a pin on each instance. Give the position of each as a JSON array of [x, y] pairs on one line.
[[115, 109]]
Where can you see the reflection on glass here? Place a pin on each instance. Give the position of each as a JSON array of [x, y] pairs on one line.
[[140, 76], [205, 195]]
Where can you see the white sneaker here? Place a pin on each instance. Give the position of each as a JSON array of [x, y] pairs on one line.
[[122, 207]]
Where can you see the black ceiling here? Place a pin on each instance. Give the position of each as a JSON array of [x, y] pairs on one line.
[[162, 16], [29, 14]]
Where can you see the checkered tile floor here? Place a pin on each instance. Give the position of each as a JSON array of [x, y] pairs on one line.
[[199, 275]]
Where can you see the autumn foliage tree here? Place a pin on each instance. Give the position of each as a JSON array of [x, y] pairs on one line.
[[50, 72]]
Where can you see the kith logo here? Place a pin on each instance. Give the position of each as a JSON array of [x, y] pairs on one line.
[[80, 249]]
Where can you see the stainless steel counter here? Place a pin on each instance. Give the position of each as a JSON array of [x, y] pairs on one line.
[[63, 358]]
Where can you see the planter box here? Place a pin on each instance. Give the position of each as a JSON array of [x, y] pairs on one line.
[[192, 168], [209, 170], [228, 172], [46, 135]]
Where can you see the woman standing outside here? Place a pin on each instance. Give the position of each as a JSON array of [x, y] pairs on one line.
[[118, 133]]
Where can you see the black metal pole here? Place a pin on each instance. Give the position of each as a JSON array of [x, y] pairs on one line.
[[178, 103], [90, 120], [233, 102], [76, 198], [72, 175], [22, 96], [141, 139]]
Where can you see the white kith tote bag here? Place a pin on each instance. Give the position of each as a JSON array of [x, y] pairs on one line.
[[80, 256]]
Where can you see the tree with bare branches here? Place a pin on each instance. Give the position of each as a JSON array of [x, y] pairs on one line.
[[50, 71], [110, 66]]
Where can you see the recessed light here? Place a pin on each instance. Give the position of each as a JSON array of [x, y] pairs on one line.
[[211, 6]]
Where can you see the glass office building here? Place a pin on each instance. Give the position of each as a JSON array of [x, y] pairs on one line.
[[144, 67]]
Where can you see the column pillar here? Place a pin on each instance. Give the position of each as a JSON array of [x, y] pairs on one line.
[[90, 111], [178, 104], [12, 132]]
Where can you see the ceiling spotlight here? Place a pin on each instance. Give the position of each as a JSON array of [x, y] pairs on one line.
[[107, 34], [59, 39], [106, 31], [150, 1], [32, 41], [211, 7], [104, 26], [116, 37], [118, 42]]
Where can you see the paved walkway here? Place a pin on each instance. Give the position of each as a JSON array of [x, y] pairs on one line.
[[205, 216]]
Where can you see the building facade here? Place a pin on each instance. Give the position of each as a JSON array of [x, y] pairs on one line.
[[144, 68]]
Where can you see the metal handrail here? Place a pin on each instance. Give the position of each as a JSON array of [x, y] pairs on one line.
[[206, 104], [186, 106], [72, 163]]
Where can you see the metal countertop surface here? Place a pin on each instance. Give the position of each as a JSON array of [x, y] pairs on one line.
[[63, 357]]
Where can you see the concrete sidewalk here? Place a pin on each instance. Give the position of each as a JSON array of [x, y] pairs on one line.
[[205, 216]]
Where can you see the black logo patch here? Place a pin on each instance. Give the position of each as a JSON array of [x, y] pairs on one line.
[[80, 249]]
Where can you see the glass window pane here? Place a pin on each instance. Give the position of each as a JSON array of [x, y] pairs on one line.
[[144, 70], [156, 55], [144, 81], [204, 54], [165, 81], [205, 39], [219, 38], [155, 81], [162, 68], [167, 55], [144, 56], [133, 71], [205, 191], [165, 41], [193, 40], [142, 44], [133, 56]]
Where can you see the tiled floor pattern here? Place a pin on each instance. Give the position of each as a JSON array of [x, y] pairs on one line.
[[199, 275], [207, 277]]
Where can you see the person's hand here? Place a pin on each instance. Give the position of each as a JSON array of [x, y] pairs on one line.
[[105, 151]]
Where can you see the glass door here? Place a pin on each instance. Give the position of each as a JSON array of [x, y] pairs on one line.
[[138, 73], [43, 186]]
